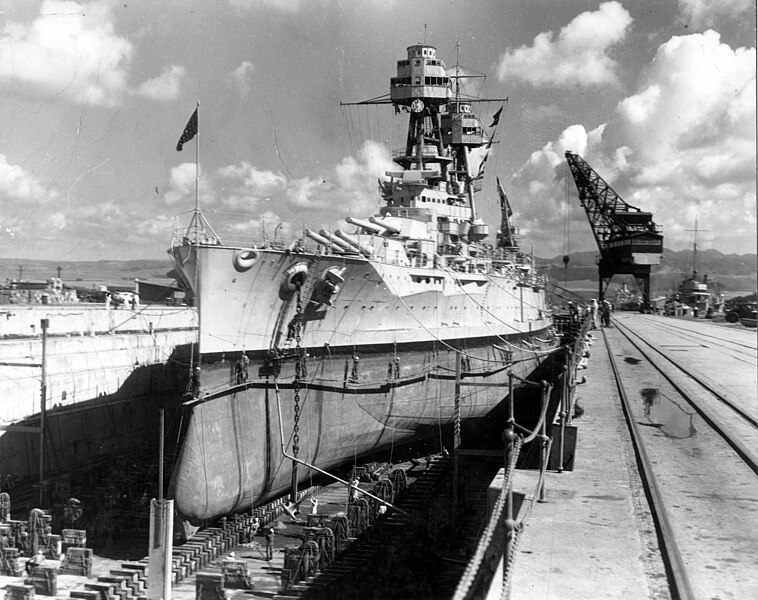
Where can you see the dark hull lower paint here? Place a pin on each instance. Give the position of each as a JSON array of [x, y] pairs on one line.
[[231, 457]]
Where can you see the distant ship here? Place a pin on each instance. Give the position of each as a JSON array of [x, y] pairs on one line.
[[345, 343], [693, 291]]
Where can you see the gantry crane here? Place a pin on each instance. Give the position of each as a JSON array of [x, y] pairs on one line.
[[628, 239]]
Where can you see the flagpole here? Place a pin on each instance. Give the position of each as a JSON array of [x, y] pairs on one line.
[[198, 227], [197, 165], [192, 130]]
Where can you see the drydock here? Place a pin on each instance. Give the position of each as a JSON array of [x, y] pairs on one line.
[[104, 373], [654, 498]]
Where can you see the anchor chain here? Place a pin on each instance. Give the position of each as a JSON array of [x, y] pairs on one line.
[[299, 371]]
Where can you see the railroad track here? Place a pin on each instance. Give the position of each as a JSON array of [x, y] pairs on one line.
[[726, 340], [700, 474], [648, 350]]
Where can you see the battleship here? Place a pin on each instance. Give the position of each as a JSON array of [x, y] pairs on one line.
[[344, 343]]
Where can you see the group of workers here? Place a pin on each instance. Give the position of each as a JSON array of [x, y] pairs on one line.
[[594, 310], [270, 534]]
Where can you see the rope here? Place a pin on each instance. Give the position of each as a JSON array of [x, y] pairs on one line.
[[477, 561], [482, 307], [506, 590], [463, 353]]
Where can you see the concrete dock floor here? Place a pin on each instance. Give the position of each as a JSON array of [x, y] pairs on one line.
[[594, 536]]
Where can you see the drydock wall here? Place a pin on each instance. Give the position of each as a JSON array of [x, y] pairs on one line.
[[108, 372], [22, 321], [81, 368]]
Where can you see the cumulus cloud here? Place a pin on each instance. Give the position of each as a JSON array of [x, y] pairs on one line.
[[57, 221], [706, 13], [244, 186], [694, 113], [694, 146], [539, 189], [181, 186], [579, 54], [683, 147], [241, 77], [155, 227], [71, 49], [101, 212], [245, 200], [17, 184], [352, 184], [350, 188], [353, 190], [164, 87]]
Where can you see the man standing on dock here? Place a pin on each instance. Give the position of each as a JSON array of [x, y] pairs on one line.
[[593, 314], [270, 543], [605, 313], [255, 527]]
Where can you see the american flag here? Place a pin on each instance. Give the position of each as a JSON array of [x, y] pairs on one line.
[[190, 131], [496, 117]]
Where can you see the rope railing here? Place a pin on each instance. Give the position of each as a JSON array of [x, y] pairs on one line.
[[489, 545], [480, 572], [502, 532]]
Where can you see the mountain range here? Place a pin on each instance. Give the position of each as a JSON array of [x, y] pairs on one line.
[[726, 272]]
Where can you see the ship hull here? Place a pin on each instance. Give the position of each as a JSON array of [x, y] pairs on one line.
[[232, 454]]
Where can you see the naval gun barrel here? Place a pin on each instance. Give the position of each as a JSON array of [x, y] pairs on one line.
[[363, 224], [364, 249], [382, 223], [341, 244], [319, 239]]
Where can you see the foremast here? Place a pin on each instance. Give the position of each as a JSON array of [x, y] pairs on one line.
[[442, 162]]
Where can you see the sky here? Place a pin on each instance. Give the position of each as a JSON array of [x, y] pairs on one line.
[[658, 96]]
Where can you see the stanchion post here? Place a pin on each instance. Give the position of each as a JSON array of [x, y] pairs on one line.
[[570, 360], [511, 418], [543, 439], [509, 440], [563, 415], [457, 430]]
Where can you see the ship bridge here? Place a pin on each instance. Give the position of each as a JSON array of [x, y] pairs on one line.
[[420, 76], [462, 126]]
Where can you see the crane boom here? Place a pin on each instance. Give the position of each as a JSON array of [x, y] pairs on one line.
[[628, 239]]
